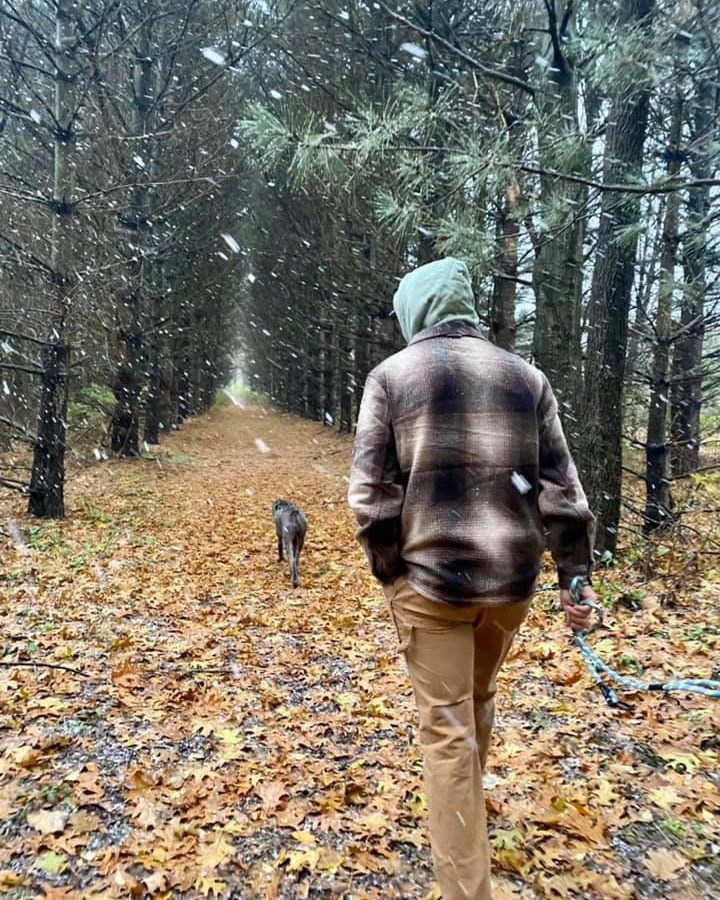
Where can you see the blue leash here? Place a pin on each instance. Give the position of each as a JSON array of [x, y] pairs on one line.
[[597, 668]]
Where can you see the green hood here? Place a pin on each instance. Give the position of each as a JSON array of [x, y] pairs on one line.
[[435, 293]]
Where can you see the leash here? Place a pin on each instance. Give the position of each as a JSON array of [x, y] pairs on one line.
[[597, 668]]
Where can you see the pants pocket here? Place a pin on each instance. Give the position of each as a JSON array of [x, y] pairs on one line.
[[403, 629], [390, 590]]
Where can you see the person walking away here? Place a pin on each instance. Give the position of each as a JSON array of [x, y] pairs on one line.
[[460, 468]]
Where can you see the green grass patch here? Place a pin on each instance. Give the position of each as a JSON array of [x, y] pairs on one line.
[[238, 394], [43, 537], [180, 459]]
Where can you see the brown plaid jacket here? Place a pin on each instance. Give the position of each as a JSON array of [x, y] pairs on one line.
[[460, 467]]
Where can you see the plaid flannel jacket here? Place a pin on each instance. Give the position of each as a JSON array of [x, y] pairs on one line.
[[460, 466]]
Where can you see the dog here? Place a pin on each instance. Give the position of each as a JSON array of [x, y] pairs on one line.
[[291, 528]]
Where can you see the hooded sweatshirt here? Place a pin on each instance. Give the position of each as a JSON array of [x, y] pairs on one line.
[[436, 293], [460, 464]]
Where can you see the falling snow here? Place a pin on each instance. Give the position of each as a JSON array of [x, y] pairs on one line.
[[231, 242], [133, 226], [213, 55], [414, 50]]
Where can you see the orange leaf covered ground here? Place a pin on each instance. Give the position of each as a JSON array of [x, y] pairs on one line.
[[236, 737]]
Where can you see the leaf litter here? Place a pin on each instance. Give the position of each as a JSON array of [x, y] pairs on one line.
[[233, 737]]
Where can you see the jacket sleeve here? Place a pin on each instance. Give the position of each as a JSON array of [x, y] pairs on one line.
[[376, 494], [563, 507]]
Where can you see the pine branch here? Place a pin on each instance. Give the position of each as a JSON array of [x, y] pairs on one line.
[[658, 187]]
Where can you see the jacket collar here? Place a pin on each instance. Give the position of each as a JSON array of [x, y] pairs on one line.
[[448, 329]]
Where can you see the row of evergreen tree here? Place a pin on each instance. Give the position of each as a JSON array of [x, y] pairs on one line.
[[565, 149], [116, 152], [188, 186]]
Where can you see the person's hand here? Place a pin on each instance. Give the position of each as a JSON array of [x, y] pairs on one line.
[[577, 617]]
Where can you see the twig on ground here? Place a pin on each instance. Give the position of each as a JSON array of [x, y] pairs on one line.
[[43, 665]]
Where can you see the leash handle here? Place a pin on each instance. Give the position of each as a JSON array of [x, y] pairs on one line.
[[576, 586]]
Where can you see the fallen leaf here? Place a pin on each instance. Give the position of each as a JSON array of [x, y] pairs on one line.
[[216, 853], [605, 795], [304, 837], [48, 821], [156, 882], [52, 704], [127, 883], [51, 862], [58, 893], [210, 886], [271, 794], [665, 864], [8, 878], [297, 860], [25, 756], [665, 797]]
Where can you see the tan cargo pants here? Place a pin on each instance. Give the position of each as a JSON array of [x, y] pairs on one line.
[[453, 656]]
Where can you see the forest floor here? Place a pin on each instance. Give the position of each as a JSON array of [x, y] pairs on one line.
[[231, 737]]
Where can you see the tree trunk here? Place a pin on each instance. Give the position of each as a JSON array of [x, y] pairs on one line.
[[650, 247], [152, 413], [48, 471], [601, 457], [329, 373], [154, 393], [158, 386], [345, 370], [176, 367], [125, 425], [47, 481], [557, 272], [184, 391], [362, 358], [502, 310], [314, 379], [193, 367], [688, 351], [658, 502]]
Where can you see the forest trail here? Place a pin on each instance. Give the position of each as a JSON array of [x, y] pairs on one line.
[[233, 737]]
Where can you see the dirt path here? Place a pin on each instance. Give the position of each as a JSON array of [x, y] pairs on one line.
[[233, 737]]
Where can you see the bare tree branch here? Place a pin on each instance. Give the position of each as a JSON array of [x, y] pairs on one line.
[[461, 54], [14, 367]]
